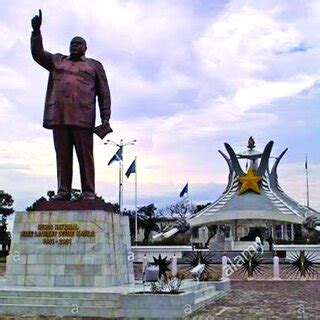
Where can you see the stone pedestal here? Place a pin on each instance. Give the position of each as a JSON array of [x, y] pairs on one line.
[[276, 268], [70, 249]]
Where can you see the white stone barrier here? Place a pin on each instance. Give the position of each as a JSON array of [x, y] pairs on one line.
[[174, 265], [276, 268], [224, 267], [144, 262]]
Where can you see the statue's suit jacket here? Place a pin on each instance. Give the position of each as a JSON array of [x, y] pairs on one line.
[[72, 89]]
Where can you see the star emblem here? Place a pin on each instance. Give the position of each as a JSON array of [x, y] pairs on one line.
[[163, 264], [250, 182]]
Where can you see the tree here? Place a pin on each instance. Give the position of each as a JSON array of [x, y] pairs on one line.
[[50, 194], [200, 207], [75, 194], [148, 220], [212, 229], [6, 209], [33, 206], [115, 206], [132, 219], [181, 209]]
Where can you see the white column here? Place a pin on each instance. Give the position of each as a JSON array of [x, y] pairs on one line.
[[276, 268], [282, 232], [285, 231], [174, 266], [217, 236], [292, 232], [224, 267], [144, 262], [236, 230]]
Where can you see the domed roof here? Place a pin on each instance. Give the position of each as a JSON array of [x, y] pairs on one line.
[[263, 197]]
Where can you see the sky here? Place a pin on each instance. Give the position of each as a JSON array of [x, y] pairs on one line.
[[185, 77]]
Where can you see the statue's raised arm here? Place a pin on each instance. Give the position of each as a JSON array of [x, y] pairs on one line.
[[36, 22], [41, 56]]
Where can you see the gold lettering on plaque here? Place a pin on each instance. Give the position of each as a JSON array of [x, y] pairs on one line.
[[61, 234]]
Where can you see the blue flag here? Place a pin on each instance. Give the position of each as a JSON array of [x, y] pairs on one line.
[[131, 169], [184, 190], [306, 163], [117, 156]]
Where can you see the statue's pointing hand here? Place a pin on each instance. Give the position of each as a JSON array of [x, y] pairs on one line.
[[36, 22]]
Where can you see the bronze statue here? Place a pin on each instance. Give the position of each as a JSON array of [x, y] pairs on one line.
[[311, 228], [179, 232], [74, 83], [312, 223]]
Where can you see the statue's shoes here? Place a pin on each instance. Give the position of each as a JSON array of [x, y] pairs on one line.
[[61, 197], [87, 197]]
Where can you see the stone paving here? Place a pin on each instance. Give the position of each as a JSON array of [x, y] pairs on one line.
[[256, 300], [2, 269], [266, 300]]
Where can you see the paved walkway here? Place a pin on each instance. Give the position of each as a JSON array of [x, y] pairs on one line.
[[252, 300], [266, 300], [2, 269]]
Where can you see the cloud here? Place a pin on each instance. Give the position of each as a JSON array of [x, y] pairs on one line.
[[261, 93], [5, 108], [12, 79], [301, 47], [239, 44], [11, 166]]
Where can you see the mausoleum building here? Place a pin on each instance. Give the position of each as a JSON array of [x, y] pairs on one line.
[[252, 204]]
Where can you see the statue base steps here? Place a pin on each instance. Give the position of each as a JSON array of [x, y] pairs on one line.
[[125, 301]]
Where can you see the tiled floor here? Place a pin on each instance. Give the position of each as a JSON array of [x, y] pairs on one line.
[[266, 300], [251, 300], [254, 300], [2, 269]]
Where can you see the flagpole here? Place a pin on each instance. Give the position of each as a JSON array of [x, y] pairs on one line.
[[120, 145], [120, 186], [121, 177], [188, 198], [136, 203], [307, 181], [188, 190]]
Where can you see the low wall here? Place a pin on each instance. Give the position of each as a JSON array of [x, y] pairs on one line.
[[294, 249], [216, 271], [244, 245], [154, 251]]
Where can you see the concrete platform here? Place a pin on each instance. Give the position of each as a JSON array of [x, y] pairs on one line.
[[70, 249], [115, 301]]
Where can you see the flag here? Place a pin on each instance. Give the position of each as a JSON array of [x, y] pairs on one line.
[[184, 190], [306, 163], [131, 169], [117, 156]]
